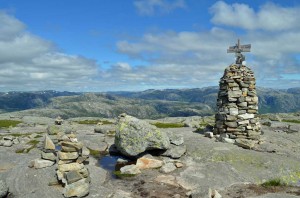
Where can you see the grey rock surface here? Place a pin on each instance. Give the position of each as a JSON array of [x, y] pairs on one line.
[[134, 136], [3, 189], [175, 151]]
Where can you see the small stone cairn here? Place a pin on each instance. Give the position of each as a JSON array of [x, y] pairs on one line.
[[71, 170], [237, 105]]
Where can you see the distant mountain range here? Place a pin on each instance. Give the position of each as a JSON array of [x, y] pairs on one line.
[[145, 104]]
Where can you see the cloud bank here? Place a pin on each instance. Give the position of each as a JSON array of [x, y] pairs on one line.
[[28, 62], [151, 7], [168, 59]]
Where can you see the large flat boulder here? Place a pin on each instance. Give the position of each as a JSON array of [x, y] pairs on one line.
[[134, 136]]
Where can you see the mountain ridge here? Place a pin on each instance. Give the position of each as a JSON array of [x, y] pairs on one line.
[[143, 104]]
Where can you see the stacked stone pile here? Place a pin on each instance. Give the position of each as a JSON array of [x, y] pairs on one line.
[[48, 155], [238, 105], [71, 167]]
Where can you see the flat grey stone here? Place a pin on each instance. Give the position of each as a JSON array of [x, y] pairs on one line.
[[175, 151]]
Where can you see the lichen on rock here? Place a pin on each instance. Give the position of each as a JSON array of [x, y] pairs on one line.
[[134, 136]]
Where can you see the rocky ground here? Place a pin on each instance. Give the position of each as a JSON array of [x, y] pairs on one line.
[[208, 165]]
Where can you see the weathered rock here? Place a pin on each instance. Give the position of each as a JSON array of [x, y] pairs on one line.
[[40, 163], [175, 139], [70, 167], [148, 162], [134, 136], [73, 146], [73, 176], [227, 140], [67, 155], [53, 129], [209, 134], [104, 128], [167, 168], [6, 143], [58, 121], [49, 156], [167, 179], [3, 189], [130, 169], [48, 143], [293, 128], [244, 143], [175, 151], [9, 137], [85, 151], [80, 188]]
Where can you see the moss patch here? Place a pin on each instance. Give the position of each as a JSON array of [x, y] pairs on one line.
[[93, 122], [168, 125], [121, 175], [9, 123], [32, 144], [273, 182], [292, 121]]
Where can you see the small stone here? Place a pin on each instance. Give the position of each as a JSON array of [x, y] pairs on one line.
[[58, 121], [167, 168], [209, 134], [233, 111], [15, 141], [244, 143], [82, 159], [80, 188], [48, 156], [65, 161], [231, 124], [70, 167], [175, 152], [48, 143], [40, 163], [228, 140], [67, 155], [53, 130], [6, 143], [246, 116], [148, 162], [84, 172], [130, 169], [215, 194], [85, 151], [179, 165], [73, 176]]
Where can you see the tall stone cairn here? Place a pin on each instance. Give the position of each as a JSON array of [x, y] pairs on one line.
[[237, 105]]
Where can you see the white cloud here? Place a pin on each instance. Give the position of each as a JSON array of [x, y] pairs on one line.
[[270, 17], [28, 62], [150, 7]]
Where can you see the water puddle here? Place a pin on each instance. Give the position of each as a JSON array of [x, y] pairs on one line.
[[114, 163]]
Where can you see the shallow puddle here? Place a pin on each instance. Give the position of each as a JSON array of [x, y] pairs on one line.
[[111, 164]]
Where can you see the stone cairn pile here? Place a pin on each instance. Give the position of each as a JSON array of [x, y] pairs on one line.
[[237, 106], [72, 171]]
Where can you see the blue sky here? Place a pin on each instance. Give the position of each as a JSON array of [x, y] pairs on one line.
[[110, 45]]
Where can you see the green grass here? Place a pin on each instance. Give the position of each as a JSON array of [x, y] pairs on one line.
[[9, 123], [93, 122], [168, 125], [33, 144], [273, 182], [121, 175], [292, 121]]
